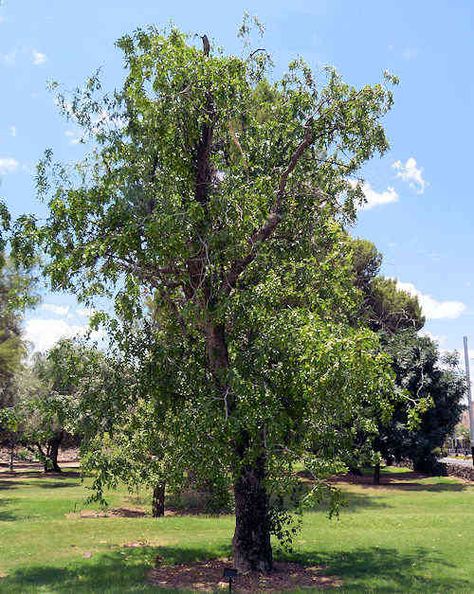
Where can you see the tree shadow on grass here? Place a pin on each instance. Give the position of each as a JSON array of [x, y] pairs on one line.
[[11, 484], [125, 570], [20, 475], [108, 572], [54, 485], [351, 501], [8, 484], [405, 481], [6, 515], [378, 569], [428, 488]]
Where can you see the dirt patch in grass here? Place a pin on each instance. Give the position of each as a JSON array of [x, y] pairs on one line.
[[116, 512], [207, 576], [30, 470]]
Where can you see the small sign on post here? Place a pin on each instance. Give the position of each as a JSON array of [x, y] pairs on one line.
[[230, 573]]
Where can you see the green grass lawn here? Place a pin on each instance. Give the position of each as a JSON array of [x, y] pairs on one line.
[[411, 535]]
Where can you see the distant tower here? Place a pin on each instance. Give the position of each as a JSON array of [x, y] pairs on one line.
[[469, 398]]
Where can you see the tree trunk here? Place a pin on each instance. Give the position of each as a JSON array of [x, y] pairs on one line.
[[377, 474], [158, 501], [251, 547], [12, 454], [51, 463]]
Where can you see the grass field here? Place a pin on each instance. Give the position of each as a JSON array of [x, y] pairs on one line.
[[411, 534]]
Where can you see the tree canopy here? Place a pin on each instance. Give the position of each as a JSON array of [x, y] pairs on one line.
[[210, 209], [426, 375], [385, 307]]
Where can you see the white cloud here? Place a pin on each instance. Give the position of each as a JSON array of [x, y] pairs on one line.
[[433, 309], [440, 340], [374, 198], [8, 165], [13, 131], [74, 136], [44, 333], [38, 57], [411, 173], [85, 312], [60, 310]]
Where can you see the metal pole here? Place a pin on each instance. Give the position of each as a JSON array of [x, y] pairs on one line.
[[469, 398]]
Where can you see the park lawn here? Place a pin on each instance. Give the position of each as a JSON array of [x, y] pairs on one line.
[[411, 535]]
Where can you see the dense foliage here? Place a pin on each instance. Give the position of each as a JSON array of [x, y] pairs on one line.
[[14, 288], [385, 307], [430, 388], [16, 292], [48, 400], [425, 375], [209, 209]]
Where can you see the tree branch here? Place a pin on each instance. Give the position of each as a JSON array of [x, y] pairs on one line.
[[274, 216], [196, 265]]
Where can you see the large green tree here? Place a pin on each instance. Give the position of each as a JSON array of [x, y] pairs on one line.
[[12, 347], [48, 403], [425, 375], [219, 192], [428, 401], [16, 292]]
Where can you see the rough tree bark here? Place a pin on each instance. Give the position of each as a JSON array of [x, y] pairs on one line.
[[51, 459], [251, 547], [158, 501]]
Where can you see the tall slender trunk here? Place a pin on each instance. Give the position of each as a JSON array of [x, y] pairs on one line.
[[251, 546], [377, 474], [158, 501], [12, 456]]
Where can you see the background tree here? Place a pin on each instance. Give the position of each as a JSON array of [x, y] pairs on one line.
[[424, 374], [49, 400], [16, 293], [134, 452], [220, 193], [12, 347], [428, 403], [385, 307]]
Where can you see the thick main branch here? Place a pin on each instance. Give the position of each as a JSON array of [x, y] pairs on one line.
[[274, 217]]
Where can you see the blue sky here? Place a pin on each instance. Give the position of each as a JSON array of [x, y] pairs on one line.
[[421, 213]]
